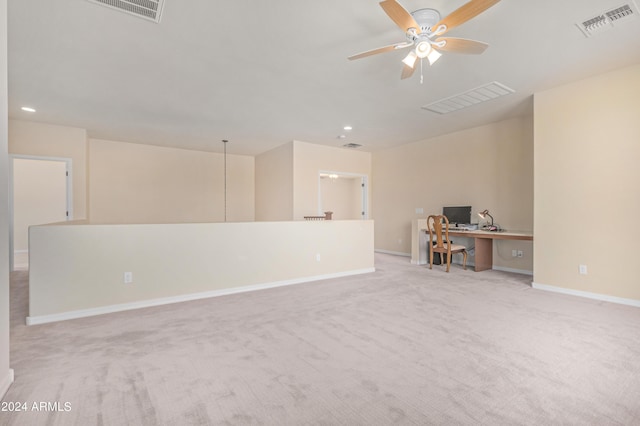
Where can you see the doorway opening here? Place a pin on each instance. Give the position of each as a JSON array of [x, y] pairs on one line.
[[343, 194], [39, 193]]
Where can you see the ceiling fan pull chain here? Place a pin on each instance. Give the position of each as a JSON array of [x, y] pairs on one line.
[[421, 77]]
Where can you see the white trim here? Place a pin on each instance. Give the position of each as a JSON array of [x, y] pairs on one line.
[[69, 182], [588, 295], [365, 190], [472, 265], [11, 219], [21, 251], [365, 197], [395, 253], [39, 157], [516, 271], [42, 319], [6, 382]]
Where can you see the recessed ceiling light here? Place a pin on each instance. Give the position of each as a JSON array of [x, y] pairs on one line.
[[28, 109], [348, 128], [342, 136]]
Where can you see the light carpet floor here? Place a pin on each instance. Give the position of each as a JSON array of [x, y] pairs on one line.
[[403, 345]]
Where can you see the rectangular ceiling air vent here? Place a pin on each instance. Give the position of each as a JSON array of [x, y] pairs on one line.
[[608, 19], [146, 9], [469, 98], [352, 145]]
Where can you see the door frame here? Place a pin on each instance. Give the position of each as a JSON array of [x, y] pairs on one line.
[[69, 186], [364, 182]]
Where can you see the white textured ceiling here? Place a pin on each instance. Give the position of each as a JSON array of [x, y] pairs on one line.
[[263, 73]]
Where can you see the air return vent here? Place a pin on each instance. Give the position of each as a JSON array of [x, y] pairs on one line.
[[146, 9], [469, 98], [352, 145], [608, 19]]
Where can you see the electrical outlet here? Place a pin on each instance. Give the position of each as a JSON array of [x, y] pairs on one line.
[[520, 253], [128, 277], [583, 269], [419, 210], [514, 253], [318, 257]]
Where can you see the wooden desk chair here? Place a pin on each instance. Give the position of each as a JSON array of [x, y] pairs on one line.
[[435, 225]]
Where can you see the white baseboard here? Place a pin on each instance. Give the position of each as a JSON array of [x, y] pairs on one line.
[[517, 271], [588, 295], [472, 265], [42, 319], [6, 382], [395, 253]]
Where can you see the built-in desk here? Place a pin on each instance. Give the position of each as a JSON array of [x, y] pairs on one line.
[[483, 243]]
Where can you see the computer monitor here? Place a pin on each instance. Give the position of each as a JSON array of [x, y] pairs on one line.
[[458, 214]]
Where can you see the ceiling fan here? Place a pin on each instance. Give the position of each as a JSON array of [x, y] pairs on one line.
[[423, 30]]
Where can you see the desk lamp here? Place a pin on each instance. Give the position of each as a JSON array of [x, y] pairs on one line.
[[483, 214]]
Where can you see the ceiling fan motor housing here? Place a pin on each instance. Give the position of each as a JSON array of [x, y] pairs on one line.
[[426, 18]]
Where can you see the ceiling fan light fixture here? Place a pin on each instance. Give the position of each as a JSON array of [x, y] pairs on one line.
[[410, 59], [423, 48], [433, 56], [423, 27]]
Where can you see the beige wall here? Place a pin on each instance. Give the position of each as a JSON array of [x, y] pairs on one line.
[[38, 139], [274, 184], [6, 374], [287, 178], [141, 183], [487, 167], [172, 261], [39, 196], [309, 160], [587, 152], [134, 183]]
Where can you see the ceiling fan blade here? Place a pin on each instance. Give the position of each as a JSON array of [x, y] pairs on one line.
[[407, 71], [380, 50], [461, 15], [461, 45], [399, 15]]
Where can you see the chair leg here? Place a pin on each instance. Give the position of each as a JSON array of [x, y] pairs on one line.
[[448, 261], [431, 257], [464, 260]]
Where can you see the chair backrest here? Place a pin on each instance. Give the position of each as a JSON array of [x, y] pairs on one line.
[[437, 225]]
